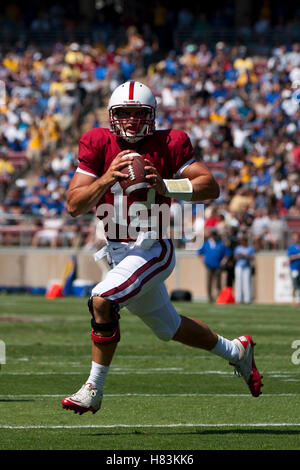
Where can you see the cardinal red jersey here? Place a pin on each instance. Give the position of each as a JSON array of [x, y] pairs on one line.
[[170, 151]]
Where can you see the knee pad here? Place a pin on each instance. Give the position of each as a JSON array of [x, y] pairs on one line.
[[108, 326]]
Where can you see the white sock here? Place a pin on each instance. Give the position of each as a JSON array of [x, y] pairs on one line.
[[98, 375], [226, 349]]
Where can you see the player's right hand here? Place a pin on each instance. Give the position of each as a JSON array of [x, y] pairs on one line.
[[113, 173]]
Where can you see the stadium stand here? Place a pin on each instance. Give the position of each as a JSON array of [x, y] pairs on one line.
[[237, 100]]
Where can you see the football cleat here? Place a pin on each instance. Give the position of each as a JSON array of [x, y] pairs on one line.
[[245, 366], [88, 398]]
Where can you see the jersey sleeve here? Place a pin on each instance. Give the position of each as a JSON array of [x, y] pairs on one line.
[[182, 152], [90, 155]]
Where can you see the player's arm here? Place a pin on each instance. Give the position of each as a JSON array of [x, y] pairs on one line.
[[204, 185], [85, 190], [196, 183]]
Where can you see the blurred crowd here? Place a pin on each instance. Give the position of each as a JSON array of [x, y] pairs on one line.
[[104, 19], [240, 108], [241, 112]]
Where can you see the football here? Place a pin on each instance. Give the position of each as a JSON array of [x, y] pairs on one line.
[[136, 185]]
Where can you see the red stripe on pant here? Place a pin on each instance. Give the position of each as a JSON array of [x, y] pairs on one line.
[[147, 278], [140, 271]]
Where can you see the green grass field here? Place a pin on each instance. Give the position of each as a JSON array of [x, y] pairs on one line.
[[158, 395]]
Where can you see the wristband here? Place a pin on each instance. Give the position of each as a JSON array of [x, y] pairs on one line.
[[181, 189]]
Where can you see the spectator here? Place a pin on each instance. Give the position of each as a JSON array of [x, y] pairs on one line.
[[214, 257], [276, 230], [260, 228], [49, 233], [242, 199], [293, 253], [6, 166], [239, 108], [229, 264], [211, 217], [244, 256]]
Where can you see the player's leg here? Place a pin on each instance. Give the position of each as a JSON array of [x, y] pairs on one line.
[[135, 274], [105, 337], [105, 329], [197, 334], [239, 351], [157, 311]]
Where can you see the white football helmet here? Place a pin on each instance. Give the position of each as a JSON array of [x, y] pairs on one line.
[[136, 95]]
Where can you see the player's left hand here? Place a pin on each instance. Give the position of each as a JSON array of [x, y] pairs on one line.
[[155, 180]]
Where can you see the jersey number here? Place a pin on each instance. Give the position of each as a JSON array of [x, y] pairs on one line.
[[122, 209]]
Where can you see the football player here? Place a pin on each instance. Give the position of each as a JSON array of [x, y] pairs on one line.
[[140, 266]]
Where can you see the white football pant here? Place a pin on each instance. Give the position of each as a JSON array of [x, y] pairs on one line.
[[136, 282]]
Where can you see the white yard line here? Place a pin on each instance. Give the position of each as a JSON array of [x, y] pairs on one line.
[[112, 395], [171, 370], [134, 426], [127, 372]]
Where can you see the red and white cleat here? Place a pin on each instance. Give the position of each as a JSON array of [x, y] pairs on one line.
[[245, 367], [88, 398]]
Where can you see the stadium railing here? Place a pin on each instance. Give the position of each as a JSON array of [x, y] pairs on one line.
[[19, 230]]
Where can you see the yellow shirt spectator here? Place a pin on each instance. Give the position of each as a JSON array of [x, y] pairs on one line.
[[189, 59], [35, 141], [57, 87], [37, 64], [74, 57], [11, 63], [245, 174], [258, 160], [70, 72], [6, 167], [243, 64], [214, 117], [50, 129]]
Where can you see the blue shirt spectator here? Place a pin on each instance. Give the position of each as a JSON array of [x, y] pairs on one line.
[[128, 68], [213, 251], [272, 97], [243, 254], [292, 251], [101, 72], [171, 66], [287, 200]]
